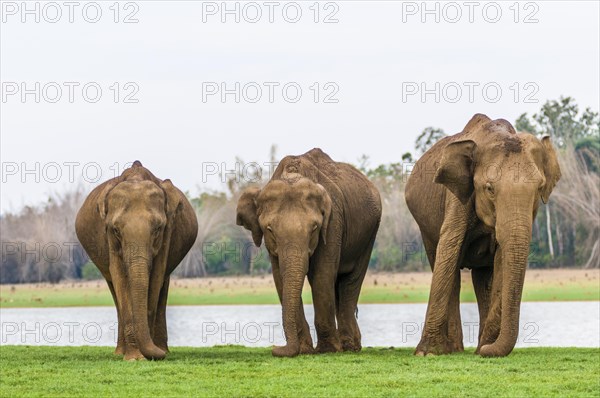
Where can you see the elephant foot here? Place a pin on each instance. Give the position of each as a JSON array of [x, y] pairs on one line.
[[306, 349], [154, 353], [493, 350], [133, 354], [457, 346], [160, 340], [351, 346], [455, 341], [286, 351], [120, 350], [433, 346], [324, 347]]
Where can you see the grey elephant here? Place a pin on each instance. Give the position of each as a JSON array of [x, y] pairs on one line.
[[319, 218], [137, 228], [474, 196]]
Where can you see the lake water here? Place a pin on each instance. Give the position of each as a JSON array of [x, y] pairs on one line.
[[558, 324]]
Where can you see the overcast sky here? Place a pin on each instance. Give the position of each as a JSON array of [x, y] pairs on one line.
[[361, 78]]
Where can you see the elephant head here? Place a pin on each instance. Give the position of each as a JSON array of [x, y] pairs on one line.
[[137, 215], [507, 173], [293, 216]]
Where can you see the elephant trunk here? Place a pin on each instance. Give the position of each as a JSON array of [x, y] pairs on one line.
[[513, 240], [294, 271], [138, 266]]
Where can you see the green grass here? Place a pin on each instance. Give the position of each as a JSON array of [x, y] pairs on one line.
[[238, 371], [98, 295]]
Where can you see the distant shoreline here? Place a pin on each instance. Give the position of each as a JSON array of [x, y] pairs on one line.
[[410, 287]]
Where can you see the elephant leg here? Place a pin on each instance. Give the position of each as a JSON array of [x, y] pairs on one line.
[[306, 343], [160, 337], [348, 290], [434, 339], [304, 337], [430, 248], [491, 327], [455, 335], [323, 293], [120, 350], [156, 290], [482, 284], [131, 351]]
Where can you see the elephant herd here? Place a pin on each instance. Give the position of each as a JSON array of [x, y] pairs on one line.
[[474, 196]]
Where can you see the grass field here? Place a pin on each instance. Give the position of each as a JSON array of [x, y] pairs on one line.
[[238, 371], [546, 285]]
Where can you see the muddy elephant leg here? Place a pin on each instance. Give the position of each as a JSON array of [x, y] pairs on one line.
[[304, 337], [455, 335], [482, 284], [120, 350], [491, 327], [323, 292], [160, 337], [434, 339]]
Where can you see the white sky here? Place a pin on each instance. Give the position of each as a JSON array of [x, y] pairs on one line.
[[371, 54]]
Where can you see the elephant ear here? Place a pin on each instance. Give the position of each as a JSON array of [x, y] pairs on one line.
[[102, 202], [173, 199], [551, 169], [247, 214], [456, 167], [325, 206]]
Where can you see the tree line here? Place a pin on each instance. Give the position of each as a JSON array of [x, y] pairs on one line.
[[39, 243]]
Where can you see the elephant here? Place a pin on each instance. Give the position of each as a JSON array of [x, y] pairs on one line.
[[474, 196], [319, 219], [136, 229]]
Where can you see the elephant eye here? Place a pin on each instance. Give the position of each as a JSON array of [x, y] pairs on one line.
[[269, 228], [315, 227], [489, 188], [117, 232]]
